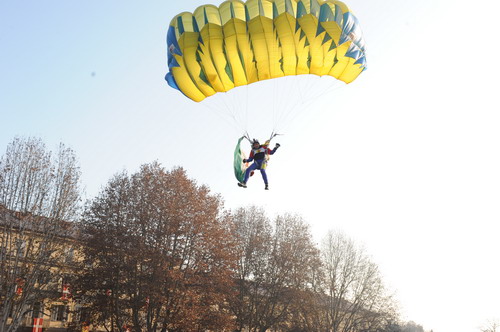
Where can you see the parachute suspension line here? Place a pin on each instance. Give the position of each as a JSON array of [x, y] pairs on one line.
[[246, 107], [295, 90], [219, 111], [230, 111], [285, 106], [292, 111], [279, 100], [241, 99], [274, 97], [312, 83], [270, 53], [275, 115], [237, 113], [277, 92], [290, 104], [332, 86], [296, 86], [280, 106], [289, 97], [218, 105], [301, 87]]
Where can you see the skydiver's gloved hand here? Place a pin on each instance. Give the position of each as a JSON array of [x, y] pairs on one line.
[[245, 160], [277, 146]]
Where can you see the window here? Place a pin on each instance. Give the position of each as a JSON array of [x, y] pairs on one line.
[[82, 314], [58, 313]]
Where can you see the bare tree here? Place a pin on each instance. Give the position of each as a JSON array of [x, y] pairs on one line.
[[356, 299], [39, 193], [412, 327], [159, 254], [276, 264], [491, 326], [254, 232], [35, 182]]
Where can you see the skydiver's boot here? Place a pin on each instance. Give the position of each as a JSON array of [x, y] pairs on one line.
[[242, 184], [267, 187]]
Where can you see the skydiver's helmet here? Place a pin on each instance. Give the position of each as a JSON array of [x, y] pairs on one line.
[[255, 144]]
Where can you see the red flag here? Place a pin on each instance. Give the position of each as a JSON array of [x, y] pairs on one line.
[[66, 294], [37, 324], [19, 286]]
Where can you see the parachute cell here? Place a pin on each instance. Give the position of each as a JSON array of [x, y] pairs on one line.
[[216, 49]]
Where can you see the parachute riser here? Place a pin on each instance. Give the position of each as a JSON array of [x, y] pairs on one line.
[[273, 135]]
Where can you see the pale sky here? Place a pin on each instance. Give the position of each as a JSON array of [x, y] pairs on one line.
[[405, 160]]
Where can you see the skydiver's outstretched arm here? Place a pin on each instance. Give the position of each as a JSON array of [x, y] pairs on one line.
[[271, 152]]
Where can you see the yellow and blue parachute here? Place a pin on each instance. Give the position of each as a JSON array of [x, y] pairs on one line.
[[216, 49]]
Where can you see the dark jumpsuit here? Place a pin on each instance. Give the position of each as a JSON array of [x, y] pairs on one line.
[[258, 156]]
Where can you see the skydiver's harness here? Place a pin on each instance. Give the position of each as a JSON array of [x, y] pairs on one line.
[[260, 157]]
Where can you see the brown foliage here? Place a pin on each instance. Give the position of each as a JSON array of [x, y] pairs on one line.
[[163, 248]]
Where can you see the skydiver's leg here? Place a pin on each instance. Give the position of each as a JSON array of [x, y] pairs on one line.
[[248, 171], [264, 175]]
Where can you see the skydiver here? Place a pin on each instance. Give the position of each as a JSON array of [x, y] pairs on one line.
[[258, 156]]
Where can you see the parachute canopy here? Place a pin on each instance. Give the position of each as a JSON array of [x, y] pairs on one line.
[[216, 49]]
